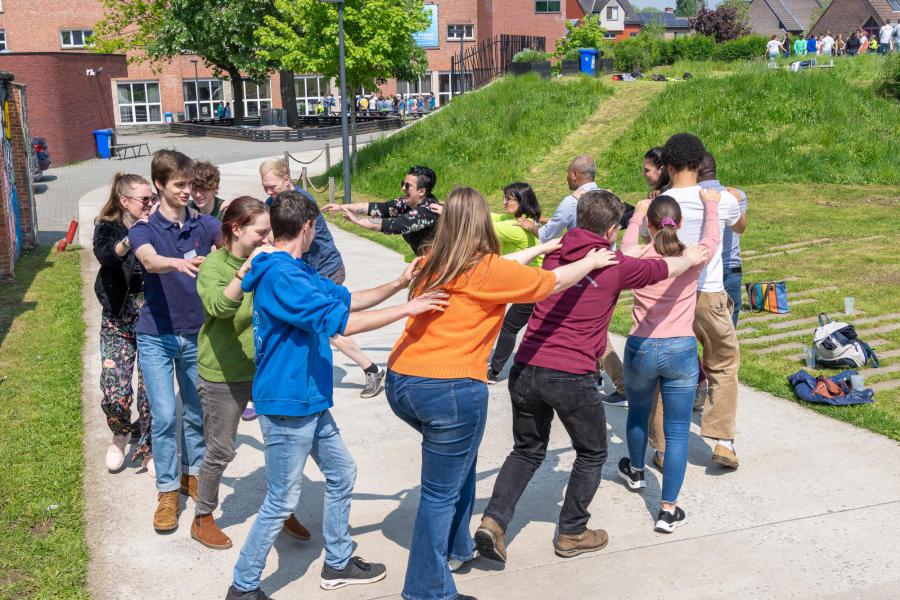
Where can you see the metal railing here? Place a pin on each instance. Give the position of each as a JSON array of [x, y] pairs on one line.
[[478, 65]]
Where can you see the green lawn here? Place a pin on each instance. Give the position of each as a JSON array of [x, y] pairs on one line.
[[43, 553]]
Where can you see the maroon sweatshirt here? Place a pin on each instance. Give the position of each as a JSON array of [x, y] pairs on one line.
[[567, 331]]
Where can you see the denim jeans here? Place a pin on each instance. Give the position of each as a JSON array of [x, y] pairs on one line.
[[288, 442], [536, 393], [164, 359], [450, 414], [733, 285], [670, 363]]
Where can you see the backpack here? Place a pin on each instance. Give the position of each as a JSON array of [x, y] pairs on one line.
[[836, 345]]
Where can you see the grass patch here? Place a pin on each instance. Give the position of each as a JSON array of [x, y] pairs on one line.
[[43, 552], [769, 126], [485, 140]]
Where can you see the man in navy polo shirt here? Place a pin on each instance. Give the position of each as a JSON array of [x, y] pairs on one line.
[[171, 246], [324, 257]]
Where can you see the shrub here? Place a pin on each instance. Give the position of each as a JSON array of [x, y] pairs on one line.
[[690, 47], [724, 23], [587, 33], [887, 82], [642, 52], [530, 56], [743, 48]]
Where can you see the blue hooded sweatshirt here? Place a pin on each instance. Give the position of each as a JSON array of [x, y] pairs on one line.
[[295, 312]]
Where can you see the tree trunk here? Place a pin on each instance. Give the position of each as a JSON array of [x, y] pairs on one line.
[[237, 91], [289, 96]]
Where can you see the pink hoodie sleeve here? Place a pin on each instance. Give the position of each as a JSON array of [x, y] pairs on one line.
[[710, 238], [632, 233]]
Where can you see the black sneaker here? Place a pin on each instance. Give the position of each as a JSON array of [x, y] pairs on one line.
[[356, 572], [493, 376], [373, 384], [666, 522], [615, 399], [633, 479], [236, 594]]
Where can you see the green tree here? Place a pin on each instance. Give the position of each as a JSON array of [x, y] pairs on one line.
[[586, 33], [741, 9], [220, 32], [686, 8], [302, 36]]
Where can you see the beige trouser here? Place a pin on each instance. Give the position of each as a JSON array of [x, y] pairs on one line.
[[721, 359], [612, 364]]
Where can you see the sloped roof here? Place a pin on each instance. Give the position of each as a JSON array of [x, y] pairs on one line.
[[884, 10], [599, 5], [787, 17], [668, 20]]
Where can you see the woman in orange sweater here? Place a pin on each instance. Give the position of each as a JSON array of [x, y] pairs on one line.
[[437, 377]]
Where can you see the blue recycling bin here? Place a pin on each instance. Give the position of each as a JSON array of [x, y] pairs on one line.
[[168, 117], [588, 64], [103, 137]]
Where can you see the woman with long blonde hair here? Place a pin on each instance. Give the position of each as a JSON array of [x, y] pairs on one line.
[[437, 378]]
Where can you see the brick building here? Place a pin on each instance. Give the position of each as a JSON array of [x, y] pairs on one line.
[[845, 16], [775, 17]]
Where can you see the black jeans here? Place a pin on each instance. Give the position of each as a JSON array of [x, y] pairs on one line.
[[516, 318], [536, 393]]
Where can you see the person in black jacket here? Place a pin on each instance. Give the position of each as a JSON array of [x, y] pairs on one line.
[[119, 288]]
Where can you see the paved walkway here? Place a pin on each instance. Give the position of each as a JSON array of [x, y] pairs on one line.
[[811, 513]]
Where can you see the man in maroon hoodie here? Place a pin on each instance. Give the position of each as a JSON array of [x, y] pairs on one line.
[[554, 372]]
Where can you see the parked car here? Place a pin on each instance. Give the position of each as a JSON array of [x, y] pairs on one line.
[[42, 156]]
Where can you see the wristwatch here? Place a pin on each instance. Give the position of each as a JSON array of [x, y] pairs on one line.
[[125, 242]]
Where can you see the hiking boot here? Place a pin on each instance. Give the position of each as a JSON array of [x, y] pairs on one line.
[[725, 456], [633, 479], [700, 397], [493, 377], [115, 454], [294, 528], [189, 486], [489, 540], [659, 459], [249, 413], [356, 572], [615, 399], [205, 530], [236, 594], [666, 522], [166, 516], [589, 540], [373, 384]]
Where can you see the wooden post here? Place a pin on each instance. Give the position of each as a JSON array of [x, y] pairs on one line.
[[327, 156], [331, 190], [287, 159], [304, 178]]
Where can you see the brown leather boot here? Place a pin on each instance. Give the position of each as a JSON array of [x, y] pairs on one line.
[[166, 516], [588, 540], [205, 530], [489, 540], [294, 528], [189, 486]]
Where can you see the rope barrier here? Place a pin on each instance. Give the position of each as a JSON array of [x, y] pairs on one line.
[[295, 159], [310, 184]]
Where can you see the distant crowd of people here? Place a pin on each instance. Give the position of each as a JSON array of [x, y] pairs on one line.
[[398, 104], [887, 40]]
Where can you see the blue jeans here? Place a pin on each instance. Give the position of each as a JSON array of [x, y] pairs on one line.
[[670, 363], [288, 442], [164, 359], [450, 414], [733, 286]]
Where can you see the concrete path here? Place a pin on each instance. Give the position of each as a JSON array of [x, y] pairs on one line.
[[811, 513]]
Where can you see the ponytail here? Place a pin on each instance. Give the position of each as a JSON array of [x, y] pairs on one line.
[[121, 184], [665, 215]]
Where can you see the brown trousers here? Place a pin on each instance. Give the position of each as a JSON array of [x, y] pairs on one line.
[[612, 364], [721, 359]]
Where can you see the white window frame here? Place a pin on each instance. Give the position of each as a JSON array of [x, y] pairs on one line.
[[612, 13], [197, 102], [84, 33], [147, 104], [609, 35], [321, 88], [421, 86], [257, 102], [548, 11], [3, 46], [443, 97], [453, 32]]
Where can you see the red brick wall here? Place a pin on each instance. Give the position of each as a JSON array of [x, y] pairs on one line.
[[517, 17], [65, 105], [454, 12], [24, 188]]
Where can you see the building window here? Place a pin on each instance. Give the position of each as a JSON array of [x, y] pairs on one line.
[[202, 105], [3, 47], [895, 5], [612, 13], [310, 90], [420, 86], [609, 35], [256, 97], [546, 6], [450, 84], [460, 32], [634, 34], [139, 102], [76, 38]]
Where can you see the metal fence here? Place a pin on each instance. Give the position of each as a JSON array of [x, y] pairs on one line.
[[479, 64]]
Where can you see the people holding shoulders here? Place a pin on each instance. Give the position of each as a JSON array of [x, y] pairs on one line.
[[205, 189]]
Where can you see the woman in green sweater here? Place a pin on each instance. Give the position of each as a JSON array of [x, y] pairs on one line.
[[519, 202], [225, 364]]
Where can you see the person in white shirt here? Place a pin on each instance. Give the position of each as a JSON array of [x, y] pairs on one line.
[[713, 326], [773, 48], [827, 44], [884, 38]]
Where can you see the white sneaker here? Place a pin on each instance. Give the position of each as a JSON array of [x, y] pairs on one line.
[[457, 564], [148, 464], [115, 454]]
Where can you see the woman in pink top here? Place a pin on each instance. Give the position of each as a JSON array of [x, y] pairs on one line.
[[661, 350]]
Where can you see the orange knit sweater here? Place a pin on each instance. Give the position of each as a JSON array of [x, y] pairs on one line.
[[455, 344]]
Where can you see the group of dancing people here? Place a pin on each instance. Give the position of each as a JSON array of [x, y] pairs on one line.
[[241, 301]]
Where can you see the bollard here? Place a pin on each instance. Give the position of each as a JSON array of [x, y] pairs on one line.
[[70, 236], [327, 157], [287, 158], [304, 179], [331, 190]]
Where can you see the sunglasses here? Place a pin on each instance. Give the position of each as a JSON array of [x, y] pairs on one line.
[[143, 199], [405, 186]]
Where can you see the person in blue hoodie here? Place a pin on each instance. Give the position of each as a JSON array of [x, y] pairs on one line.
[[295, 312]]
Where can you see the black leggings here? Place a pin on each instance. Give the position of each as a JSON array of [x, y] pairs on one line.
[[516, 318]]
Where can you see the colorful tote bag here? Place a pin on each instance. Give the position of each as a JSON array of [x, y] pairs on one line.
[[768, 296]]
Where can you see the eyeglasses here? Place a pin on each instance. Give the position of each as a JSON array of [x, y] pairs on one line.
[[406, 185], [142, 199]]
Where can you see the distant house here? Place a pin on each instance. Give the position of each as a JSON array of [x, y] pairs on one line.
[[674, 25], [768, 17], [617, 16], [845, 16]]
